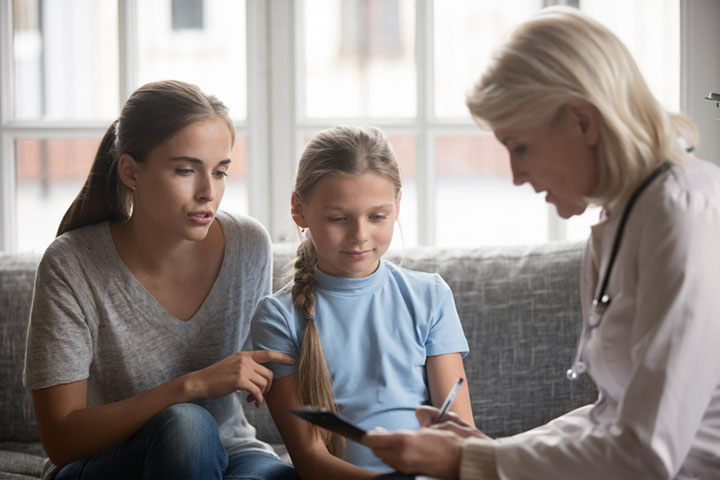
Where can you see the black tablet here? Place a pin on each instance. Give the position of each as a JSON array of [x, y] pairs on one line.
[[328, 420]]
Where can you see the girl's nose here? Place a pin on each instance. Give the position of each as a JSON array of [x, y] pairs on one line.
[[360, 231]]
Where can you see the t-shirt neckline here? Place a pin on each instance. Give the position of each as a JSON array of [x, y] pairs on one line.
[[137, 285]]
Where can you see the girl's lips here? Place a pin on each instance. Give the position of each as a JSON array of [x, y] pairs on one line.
[[357, 255]]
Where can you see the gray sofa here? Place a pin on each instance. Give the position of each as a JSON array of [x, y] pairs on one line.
[[519, 307]]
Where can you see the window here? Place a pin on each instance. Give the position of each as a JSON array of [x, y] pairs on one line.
[[286, 69], [187, 14], [67, 59]]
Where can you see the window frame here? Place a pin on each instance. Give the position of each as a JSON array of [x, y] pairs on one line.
[[274, 44]]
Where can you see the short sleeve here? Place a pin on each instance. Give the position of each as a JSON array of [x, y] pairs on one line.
[[445, 333], [271, 330], [59, 341]]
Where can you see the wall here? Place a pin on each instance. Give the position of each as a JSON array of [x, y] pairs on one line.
[[701, 56]]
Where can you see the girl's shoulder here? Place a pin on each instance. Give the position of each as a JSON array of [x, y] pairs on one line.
[[279, 303]]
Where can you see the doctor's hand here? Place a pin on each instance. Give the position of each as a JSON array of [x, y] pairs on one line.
[[426, 415], [429, 451]]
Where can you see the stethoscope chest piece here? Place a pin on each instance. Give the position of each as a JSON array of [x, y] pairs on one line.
[[577, 369], [598, 310]]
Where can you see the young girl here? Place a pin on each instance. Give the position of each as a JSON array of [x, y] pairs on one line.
[[373, 341], [143, 303]]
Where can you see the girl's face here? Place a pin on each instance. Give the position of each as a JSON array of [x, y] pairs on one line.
[[178, 189], [351, 221], [560, 160]]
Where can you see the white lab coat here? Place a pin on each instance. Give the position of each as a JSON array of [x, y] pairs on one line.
[[655, 357]]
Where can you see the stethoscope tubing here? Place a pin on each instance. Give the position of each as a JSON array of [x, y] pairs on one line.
[[602, 300]]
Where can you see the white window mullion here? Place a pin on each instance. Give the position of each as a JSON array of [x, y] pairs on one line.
[[127, 49], [425, 142], [282, 108], [8, 221], [258, 141], [7, 145]]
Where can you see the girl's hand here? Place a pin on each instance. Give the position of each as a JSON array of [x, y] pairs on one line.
[[429, 451], [451, 421], [242, 371]]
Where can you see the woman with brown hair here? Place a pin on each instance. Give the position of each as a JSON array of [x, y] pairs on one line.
[[142, 306]]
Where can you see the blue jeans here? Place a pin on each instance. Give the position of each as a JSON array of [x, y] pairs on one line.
[[181, 442]]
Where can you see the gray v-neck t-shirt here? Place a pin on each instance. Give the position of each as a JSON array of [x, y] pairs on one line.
[[92, 319]]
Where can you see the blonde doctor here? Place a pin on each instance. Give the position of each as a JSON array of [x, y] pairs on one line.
[[581, 126]]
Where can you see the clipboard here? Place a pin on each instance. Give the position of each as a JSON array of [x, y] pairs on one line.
[[329, 421]]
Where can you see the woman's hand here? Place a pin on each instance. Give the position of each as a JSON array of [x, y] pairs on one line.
[[434, 450], [242, 371], [430, 451]]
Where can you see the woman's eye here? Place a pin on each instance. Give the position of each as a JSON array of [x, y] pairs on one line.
[[520, 149], [184, 171], [220, 174], [336, 219], [378, 217]]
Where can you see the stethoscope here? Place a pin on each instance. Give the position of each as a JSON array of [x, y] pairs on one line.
[[602, 301]]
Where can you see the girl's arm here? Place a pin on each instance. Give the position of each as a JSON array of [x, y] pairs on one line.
[[71, 430], [442, 373], [307, 450]]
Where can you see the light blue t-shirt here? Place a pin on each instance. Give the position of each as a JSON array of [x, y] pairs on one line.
[[376, 333]]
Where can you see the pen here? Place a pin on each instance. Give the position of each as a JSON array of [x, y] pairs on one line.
[[448, 401]]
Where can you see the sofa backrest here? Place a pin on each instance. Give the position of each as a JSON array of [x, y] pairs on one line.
[[519, 307]]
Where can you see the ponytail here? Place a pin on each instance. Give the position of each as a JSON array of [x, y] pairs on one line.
[[314, 380], [103, 197]]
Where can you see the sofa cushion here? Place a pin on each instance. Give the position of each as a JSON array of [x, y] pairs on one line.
[[23, 460], [17, 273]]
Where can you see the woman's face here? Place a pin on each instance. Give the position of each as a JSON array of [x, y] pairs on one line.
[[178, 189], [560, 159]]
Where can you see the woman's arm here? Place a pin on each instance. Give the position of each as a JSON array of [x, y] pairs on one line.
[[307, 450], [71, 430], [442, 373]]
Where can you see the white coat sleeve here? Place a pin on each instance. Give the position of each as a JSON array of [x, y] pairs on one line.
[[674, 375]]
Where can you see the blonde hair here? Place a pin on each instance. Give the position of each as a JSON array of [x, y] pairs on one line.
[[342, 150], [561, 54]]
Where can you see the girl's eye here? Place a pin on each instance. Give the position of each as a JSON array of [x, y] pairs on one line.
[[520, 149], [336, 219], [378, 217], [184, 171], [220, 174]]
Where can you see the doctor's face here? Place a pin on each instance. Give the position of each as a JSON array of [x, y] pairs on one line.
[[559, 160]]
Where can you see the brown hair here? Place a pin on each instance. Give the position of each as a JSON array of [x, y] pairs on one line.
[[153, 114], [342, 150]]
